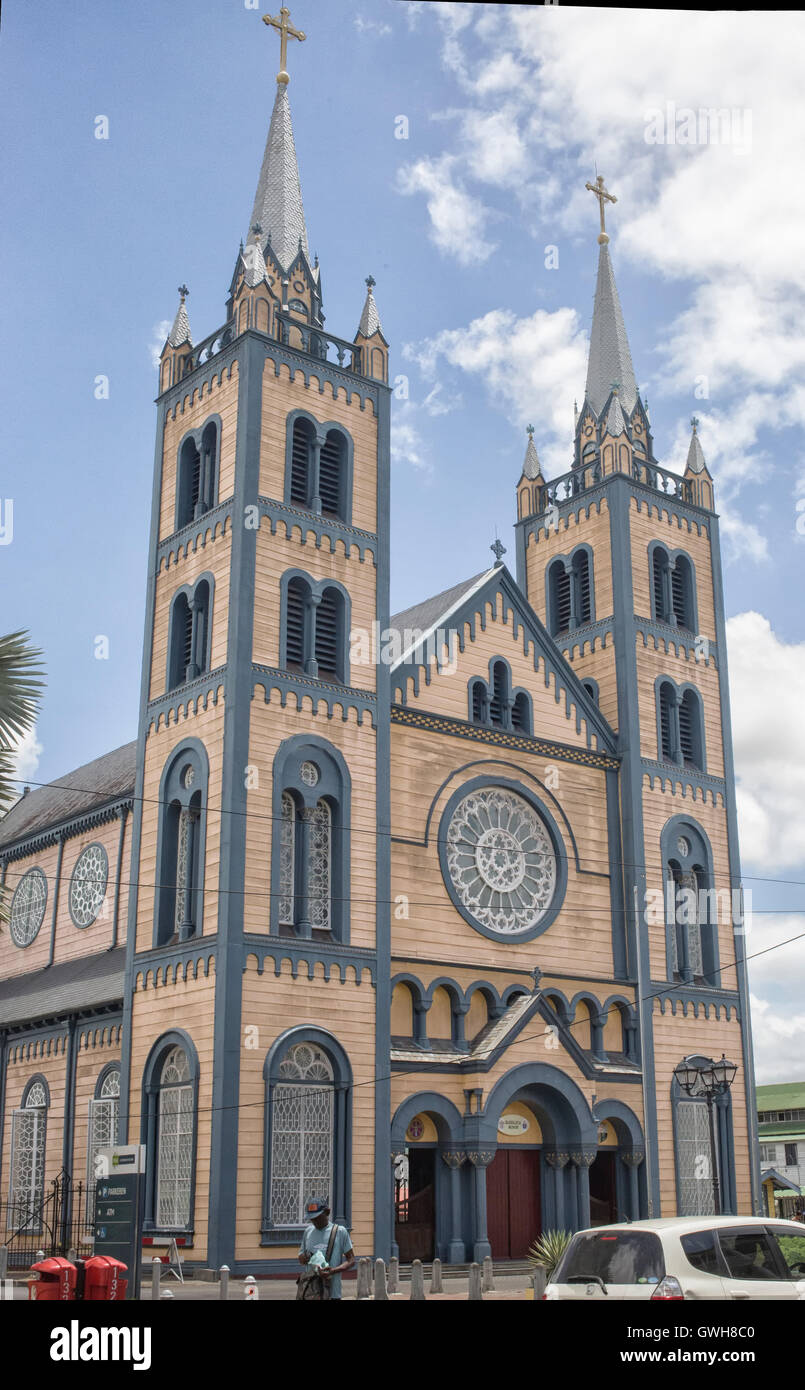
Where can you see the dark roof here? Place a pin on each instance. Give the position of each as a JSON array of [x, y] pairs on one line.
[[94, 784], [64, 988], [424, 615]]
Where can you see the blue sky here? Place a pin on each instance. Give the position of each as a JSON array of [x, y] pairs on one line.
[[507, 112]]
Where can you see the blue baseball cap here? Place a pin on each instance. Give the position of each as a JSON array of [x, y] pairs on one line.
[[317, 1206]]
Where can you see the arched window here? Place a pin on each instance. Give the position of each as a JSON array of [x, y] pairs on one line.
[[560, 598], [302, 445], [314, 629], [690, 729], [311, 838], [332, 474], [582, 607], [28, 1133], [499, 703], [104, 1109], [660, 585], [329, 635], [197, 480], [478, 702], [682, 592], [668, 725], [521, 713], [692, 905], [308, 1088], [672, 596], [169, 1132], [180, 854], [694, 1154], [591, 687], [189, 639]]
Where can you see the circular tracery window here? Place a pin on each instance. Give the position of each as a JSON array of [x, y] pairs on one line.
[[501, 861], [88, 885], [28, 907]]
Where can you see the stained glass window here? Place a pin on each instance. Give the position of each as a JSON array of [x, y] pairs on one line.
[[28, 907], [27, 1186], [501, 860], [318, 866], [103, 1116], [175, 1142], [695, 1159], [88, 885], [287, 859], [302, 1140]]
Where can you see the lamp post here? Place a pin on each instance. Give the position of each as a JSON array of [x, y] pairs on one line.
[[714, 1079]]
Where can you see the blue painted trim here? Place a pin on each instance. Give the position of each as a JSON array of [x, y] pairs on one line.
[[565, 1118], [188, 592], [672, 556], [335, 786], [212, 526], [196, 435], [37, 1078], [501, 738], [620, 924], [149, 1123], [331, 957], [334, 696], [316, 588], [322, 429], [702, 786], [66, 829], [512, 693], [192, 751], [383, 1195], [101, 1077], [668, 639], [341, 1197], [446, 1117], [680, 690], [724, 1156], [323, 528], [34, 871], [529, 796], [700, 857], [567, 561]]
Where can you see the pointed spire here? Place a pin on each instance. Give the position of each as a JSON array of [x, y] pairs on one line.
[[610, 358], [531, 463], [180, 333], [370, 318], [696, 463], [278, 200]]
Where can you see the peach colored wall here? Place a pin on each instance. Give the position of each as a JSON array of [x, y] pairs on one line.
[[220, 398]]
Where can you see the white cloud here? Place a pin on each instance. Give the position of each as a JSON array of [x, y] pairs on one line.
[[26, 752], [407, 445], [457, 220], [160, 333], [778, 1043], [767, 678], [371, 26], [530, 368]]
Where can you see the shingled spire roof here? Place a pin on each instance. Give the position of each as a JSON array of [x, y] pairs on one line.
[[610, 358], [615, 423], [278, 200], [370, 318], [180, 333], [531, 464], [696, 463]]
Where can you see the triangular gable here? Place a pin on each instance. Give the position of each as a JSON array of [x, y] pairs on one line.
[[464, 611]]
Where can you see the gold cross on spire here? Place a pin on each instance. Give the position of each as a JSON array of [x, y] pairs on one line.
[[603, 197], [286, 32]]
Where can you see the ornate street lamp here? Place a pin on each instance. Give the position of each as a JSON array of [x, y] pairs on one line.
[[713, 1079]]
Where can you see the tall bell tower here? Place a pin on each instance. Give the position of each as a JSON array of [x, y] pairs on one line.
[[620, 559], [258, 956]]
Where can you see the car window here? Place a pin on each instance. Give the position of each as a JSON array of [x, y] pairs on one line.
[[749, 1254], [701, 1250], [792, 1249], [617, 1257]]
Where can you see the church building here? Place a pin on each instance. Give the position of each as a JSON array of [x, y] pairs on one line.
[[415, 913]]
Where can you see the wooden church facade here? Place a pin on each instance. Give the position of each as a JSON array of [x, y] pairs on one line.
[[402, 932]]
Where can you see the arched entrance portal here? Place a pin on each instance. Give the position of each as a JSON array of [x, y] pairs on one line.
[[513, 1186]]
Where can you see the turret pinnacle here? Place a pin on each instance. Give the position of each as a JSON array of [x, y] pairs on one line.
[[531, 463], [180, 332], [278, 200], [696, 463], [370, 318]]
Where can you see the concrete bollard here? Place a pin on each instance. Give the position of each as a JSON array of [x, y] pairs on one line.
[[540, 1279], [223, 1287], [250, 1289], [394, 1275], [156, 1275], [364, 1286], [436, 1277], [417, 1282], [381, 1292], [40, 1255], [487, 1275], [166, 1293], [474, 1291]]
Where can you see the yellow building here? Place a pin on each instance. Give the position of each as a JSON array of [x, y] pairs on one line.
[[416, 913]]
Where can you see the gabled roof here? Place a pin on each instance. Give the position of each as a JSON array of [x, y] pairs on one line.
[[106, 779], [456, 606], [610, 358]]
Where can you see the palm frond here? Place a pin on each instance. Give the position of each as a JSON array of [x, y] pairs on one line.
[[20, 685]]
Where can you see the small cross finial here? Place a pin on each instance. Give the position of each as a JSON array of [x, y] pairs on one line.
[[370, 283], [286, 31], [529, 429], [603, 196], [184, 292], [694, 423], [257, 229], [498, 549]]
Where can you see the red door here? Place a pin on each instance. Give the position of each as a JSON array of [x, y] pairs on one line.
[[513, 1202]]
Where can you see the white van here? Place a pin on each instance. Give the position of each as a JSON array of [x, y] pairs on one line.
[[684, 1257]]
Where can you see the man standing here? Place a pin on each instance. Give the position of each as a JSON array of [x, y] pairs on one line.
[[324, 1236]]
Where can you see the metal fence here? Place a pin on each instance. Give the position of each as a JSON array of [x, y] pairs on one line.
[[56, 1221]]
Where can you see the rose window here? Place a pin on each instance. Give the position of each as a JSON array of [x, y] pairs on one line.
[[501, 860], [88, 885]]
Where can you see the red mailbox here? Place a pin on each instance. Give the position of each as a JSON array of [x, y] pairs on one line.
[[55, 1281], [104, 1279]]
